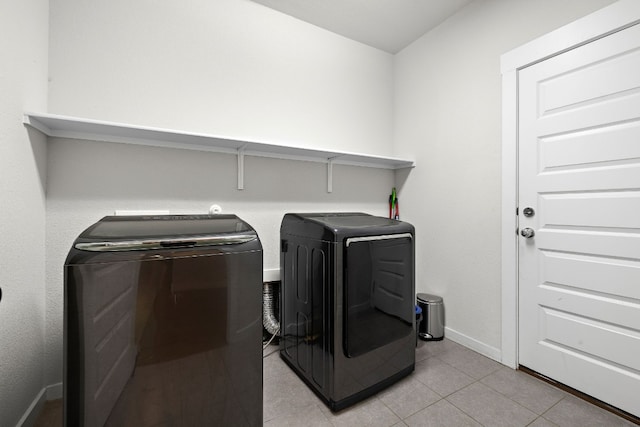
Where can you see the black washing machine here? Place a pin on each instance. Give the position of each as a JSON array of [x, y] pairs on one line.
[[163, 323], [347, 308]]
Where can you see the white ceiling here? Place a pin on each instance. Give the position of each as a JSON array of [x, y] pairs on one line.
[[389, 25]]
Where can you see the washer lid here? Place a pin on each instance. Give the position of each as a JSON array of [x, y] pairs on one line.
[[127, 233], [337, 226], [341, 220]]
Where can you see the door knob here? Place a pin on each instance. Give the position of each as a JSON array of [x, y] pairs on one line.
[[527, 232]]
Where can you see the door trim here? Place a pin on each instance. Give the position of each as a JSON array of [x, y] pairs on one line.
[[613, 18]]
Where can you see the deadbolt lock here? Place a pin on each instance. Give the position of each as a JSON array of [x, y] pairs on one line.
[[528, 212]]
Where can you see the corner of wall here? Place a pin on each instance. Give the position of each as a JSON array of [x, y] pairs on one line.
[[22, 223]]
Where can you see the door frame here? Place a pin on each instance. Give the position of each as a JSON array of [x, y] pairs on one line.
[[613, 18]]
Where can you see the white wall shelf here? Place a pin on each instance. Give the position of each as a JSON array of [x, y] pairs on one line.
[[95, 130]]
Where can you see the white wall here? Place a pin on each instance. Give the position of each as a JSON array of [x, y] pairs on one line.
[[225, 67], [447, 115], [23, 85], [229, 67]]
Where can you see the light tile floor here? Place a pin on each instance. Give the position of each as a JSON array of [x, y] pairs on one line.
[[451, 386]]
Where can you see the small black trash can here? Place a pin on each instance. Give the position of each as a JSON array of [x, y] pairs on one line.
[[432, 324]]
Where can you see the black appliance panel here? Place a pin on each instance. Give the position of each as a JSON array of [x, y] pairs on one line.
[[335, 227], [378, 292], [313, 259], [170, 336], [138, 226], [305, 311]]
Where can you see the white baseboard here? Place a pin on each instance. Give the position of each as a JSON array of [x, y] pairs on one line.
[[270, 274], [31, 414], [50, 392], [54, 391], [473, 344]]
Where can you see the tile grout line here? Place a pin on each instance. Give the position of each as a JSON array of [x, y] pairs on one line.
[[496, 391], [460, 409], [519, 404], [551, 407]]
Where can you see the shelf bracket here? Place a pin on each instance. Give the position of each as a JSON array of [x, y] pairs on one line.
[[330, 175], [241, 167]]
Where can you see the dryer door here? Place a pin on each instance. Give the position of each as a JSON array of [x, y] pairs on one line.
[[378, 291]]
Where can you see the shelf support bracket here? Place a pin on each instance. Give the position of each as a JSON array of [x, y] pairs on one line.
[[241, 167], [330, 175]]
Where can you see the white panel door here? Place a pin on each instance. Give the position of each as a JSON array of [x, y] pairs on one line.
[[579, 170]]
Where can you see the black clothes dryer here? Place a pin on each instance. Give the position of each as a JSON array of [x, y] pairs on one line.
[[347, 308], [163, 323]]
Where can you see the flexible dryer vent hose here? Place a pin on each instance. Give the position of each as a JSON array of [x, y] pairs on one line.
[[269, 320]]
